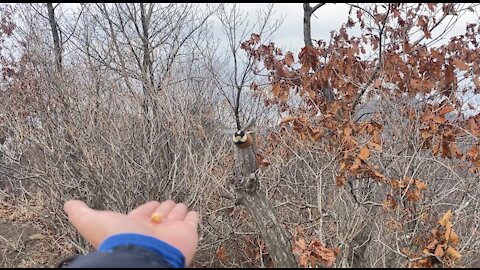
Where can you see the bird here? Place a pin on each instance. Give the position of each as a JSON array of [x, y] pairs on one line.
[[243, 138]]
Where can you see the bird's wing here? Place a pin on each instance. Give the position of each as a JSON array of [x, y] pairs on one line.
[[228, 131], [250, 124]]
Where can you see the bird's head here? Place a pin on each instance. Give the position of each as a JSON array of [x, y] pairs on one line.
[[239, 137]]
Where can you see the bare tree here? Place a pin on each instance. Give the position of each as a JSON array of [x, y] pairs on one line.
[[56, 39], [307, 38], [245, 182]]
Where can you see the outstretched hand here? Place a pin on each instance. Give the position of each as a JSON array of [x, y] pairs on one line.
[[177, 227]]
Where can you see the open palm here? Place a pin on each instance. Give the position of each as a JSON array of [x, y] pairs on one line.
[[178, 227]]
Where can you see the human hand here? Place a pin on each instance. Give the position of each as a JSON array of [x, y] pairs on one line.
[[178, 227]]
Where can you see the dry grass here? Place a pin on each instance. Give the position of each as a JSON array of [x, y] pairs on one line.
[[27, 235]]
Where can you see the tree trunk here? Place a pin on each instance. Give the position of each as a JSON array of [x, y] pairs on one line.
[[307, 38], [307, 31], [147, 58], [245, 183], [57, 49]]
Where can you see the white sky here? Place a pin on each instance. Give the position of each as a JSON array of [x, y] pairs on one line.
[[326, 19], [330, 17], [290, 35]]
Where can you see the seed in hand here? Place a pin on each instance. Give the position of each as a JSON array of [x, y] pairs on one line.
[[156, 217]]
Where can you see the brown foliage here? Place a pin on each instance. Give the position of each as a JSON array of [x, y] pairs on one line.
[[402, 68]]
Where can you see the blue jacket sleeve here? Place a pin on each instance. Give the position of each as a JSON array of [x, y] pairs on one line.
[[130, 250]]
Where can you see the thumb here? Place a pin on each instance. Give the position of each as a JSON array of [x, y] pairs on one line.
[[83, 218], [95, 226], [75, 209]]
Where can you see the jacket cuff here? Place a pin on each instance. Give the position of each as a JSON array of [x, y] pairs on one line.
[[171, 254]]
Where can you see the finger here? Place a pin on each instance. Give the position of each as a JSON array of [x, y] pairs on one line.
[[145, 210], [178, 213], [164, 208], [192, 219]]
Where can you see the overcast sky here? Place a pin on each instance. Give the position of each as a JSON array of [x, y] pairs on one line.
[[290, 35], [326, 19], [329, 17]]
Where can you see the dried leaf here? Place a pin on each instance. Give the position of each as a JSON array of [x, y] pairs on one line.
[[439, 251], [473, 152], [276, 89], [420, 185], [436, 149], [359, 14], [473, 127], [455, 150], [426, 32], [424, 217], [448, 231], [326, 255], [389, 202], [436, 234], [221, 253], [289, 59], [375, 146], [394, 225], [287, 119], [347, 131], [454, 239], [446, 151], [378, 175], [299, 246], [406, 46], [341, 181], [421, 22], [313, 262], [301, 243], [445, 110], [356, 164], [426, 117], [364, 153], [255, 38], [439, 120], [407, 252], [303, 260], [350, 142], [414, 83], [446, 218], [453, 253], [413, 195], [261, 161], [302, 136], [476, 81], [37, 236], [423, 263], [397, 184], [460, 64]]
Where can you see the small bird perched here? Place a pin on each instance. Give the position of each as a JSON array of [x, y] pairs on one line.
[[243, 138]]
